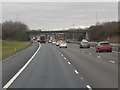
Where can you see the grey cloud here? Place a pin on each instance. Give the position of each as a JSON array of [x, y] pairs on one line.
[[59, 15]]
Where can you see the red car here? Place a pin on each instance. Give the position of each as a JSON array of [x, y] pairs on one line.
[[103, 46]]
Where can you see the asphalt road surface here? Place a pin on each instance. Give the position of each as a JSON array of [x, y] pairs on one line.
[[49, 69], [99, 69], [12, 64], [71, 67]]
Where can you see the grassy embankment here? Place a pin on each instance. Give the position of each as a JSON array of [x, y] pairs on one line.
[[11, 47]]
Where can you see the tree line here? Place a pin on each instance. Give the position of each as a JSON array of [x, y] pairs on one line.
[[105, 31], [14, 31], [100, 32]]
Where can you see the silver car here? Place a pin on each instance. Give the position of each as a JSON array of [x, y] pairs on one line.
[[63, 45], [57, 43], [54, 42]]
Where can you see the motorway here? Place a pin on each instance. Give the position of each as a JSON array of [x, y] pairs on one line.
[[99, 69], [72, 67]]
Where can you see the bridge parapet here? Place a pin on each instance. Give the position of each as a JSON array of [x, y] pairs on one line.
[[55, 33]]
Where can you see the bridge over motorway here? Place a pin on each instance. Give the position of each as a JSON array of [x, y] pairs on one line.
[[58, 33]]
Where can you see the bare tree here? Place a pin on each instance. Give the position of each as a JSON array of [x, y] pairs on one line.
[[14, 31]]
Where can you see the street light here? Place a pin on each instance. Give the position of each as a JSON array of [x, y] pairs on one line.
[[73, 32]]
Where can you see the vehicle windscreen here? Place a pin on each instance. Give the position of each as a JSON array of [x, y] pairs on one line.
[[63, 42], [42, 38], [85, 42], [104, 44]]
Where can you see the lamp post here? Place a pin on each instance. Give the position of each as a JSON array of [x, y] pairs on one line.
[[73, 32]]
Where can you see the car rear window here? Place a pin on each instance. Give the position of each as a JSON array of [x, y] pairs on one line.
[[85, 42], [63, 42], [104, 44]]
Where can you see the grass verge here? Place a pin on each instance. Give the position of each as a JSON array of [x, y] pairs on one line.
[[11, 47]]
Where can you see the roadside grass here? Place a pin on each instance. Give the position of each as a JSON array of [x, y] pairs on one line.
[[11, 47]]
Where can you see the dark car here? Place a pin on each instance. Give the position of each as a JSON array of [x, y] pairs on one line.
[[84, 44], [42, 39], [103, 46]]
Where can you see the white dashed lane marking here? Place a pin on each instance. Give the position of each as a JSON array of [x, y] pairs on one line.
[[64, 57], [89, 87], [61, 54], [69, 63], [112, 61], [83, 51], [90, 53], [76, 71], [98, 56], [81, 77]]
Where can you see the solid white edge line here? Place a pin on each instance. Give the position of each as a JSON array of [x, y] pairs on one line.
[[88, 86], [76, 71], [21, 70]]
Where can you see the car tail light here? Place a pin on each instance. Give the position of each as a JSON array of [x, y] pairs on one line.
[[101, 45]]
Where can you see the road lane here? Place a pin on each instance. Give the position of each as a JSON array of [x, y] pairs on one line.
[[12, 64], [105, 55], [98, 72], [49, 69]]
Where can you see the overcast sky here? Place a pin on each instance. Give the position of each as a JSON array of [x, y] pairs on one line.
[[59, 15], [60, 0]]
